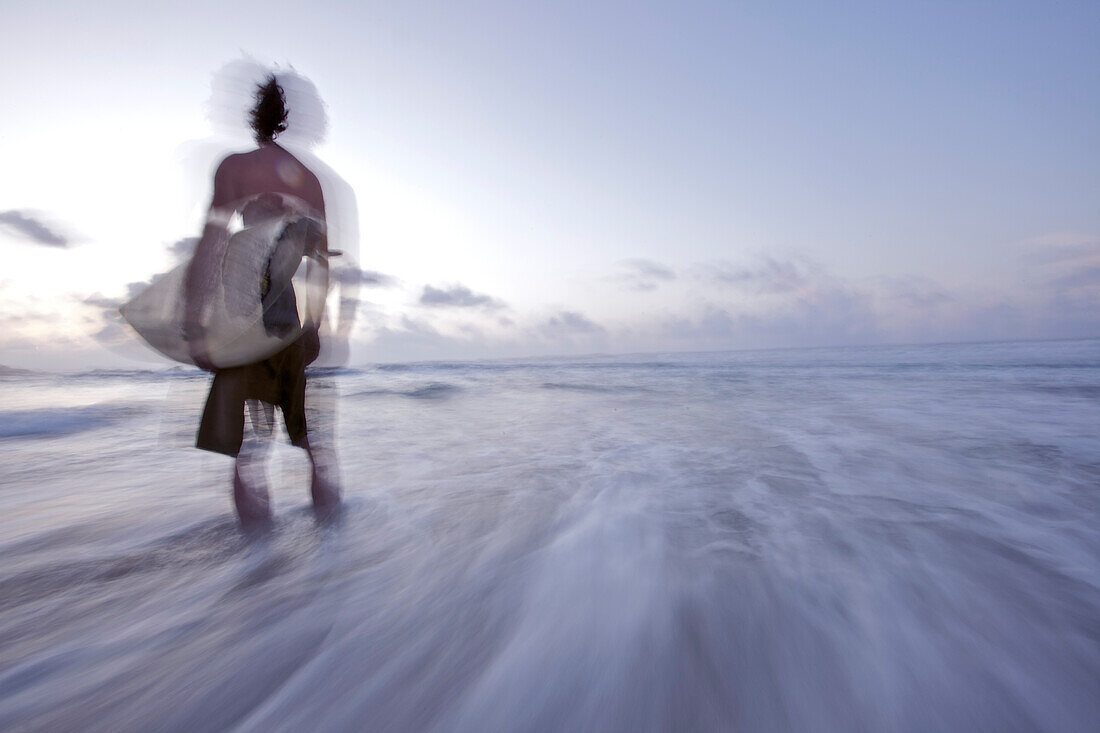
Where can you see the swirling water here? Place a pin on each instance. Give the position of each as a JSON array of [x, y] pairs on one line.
[[880, 539]]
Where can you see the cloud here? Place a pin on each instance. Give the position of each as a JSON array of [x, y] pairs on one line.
[[368, 278], [833, 318], [772, 277], [568, 323], [456, 296], [774, 302], [643, 275], [27, 225], [915, 293], [113, 331], [434, 335], [790, 303], [1087, 278], [1063, 282], [411, 339], [102, 302], [98, 300], [1066, 267], [1061, 242], [182, 249]]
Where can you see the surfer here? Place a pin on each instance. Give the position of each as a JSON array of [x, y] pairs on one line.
[[252, 188]]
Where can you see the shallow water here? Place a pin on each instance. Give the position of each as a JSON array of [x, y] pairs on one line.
[[891, 538]]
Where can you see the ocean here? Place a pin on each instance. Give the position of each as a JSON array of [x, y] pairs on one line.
[[893, 538]]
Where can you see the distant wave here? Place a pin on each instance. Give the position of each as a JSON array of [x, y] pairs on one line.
[[441, 366], [59, 420], [333, 371], [433, 391], [585, 387], [1087, 391], [173, 373], [394, 367]]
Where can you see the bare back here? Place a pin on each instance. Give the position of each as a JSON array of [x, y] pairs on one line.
[[268, 169]]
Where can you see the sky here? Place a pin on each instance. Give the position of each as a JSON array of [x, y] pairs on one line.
[[578, 177]]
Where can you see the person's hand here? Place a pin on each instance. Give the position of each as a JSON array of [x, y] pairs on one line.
[[311, 342], [201, 357], [202, 361], [196, 346]]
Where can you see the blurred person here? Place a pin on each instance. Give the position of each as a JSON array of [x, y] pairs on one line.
[[267, 184]]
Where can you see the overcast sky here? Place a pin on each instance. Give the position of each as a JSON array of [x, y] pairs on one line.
[[573, 177]]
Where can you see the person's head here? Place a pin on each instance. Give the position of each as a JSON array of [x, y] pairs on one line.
[[237, 92], [268, 115]]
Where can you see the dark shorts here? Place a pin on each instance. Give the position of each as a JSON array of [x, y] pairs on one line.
[[279, 380]]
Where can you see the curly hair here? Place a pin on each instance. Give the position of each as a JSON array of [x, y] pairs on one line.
[[268, 116]]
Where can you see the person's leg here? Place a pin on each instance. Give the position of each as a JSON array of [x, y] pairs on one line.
[[308, 407], [250, 494], [324, 479], [320, 411]]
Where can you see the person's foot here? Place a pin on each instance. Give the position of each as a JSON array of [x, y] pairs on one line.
[[253, 504], [325, 492]]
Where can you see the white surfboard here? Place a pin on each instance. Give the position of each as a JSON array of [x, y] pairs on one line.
[[269, 287]]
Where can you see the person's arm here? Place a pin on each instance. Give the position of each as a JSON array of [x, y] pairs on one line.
[[318, 265], [203, 267], [343, 232], [349, 284]]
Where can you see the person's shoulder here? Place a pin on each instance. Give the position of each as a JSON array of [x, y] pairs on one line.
[[230, 164], [303, 176], [297, 161], [248, 157]]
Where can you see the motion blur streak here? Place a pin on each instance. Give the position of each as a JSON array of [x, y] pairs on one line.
[[880, 539]]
